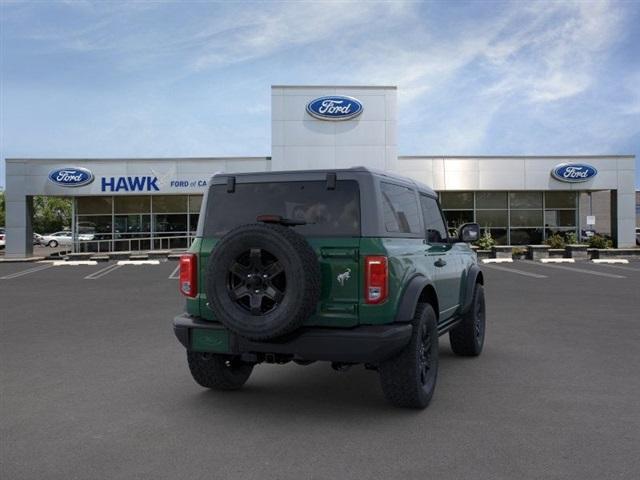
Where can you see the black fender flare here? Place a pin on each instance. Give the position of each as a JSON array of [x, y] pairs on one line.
[[409, 301], [469, 285]]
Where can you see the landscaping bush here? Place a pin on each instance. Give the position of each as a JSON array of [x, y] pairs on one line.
[[571, 238], [555, 241], [598, 241], [486, 241]]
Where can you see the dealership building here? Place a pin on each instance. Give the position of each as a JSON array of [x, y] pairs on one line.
[[142, 203]]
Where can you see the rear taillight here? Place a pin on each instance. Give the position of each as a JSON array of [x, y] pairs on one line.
[[376, 279], [188, 274]]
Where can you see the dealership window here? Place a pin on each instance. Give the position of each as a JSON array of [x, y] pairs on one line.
[[560, 214], [455, 218], [492, 218], [195, 202], [169, 203], [456, 200], [492, 200], [94, 205], [136, 222], [457, 208], [133, 204], [525, 200], [517, 218], [560, 200]]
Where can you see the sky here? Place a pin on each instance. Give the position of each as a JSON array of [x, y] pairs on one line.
[[111, 79]]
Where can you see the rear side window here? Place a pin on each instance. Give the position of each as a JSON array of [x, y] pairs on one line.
[[400, 209], [328, 213], [433, 222]]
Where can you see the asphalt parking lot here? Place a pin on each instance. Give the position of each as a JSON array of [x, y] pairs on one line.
[[95, 386]]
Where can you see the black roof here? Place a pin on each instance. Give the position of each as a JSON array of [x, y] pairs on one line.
[[368, 170]]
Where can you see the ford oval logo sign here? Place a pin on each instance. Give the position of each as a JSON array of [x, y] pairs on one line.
[[574, 172], [334, 107], [71, 177]]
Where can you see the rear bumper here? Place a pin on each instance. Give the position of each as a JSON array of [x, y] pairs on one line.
[[363, 344]]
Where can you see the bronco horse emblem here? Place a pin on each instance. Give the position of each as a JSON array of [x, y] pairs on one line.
[[344, 276]]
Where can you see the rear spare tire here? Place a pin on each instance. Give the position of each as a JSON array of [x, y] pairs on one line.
[[262, 281]]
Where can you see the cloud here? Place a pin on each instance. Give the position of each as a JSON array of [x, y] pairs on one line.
[[250, 35], [507, 77]]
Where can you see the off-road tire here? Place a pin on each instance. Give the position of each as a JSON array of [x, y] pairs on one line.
[[467, 338], [402, 379], [218, 372], [299, 264], [52, 244]]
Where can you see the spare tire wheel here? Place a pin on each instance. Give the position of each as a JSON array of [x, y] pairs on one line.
[[262, 281]]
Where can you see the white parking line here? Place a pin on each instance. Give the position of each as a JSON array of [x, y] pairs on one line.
[[26, 272], [102, 272], [629, 269], [73, 263], [139, 262], [519, 272], [174, 275], [610, 260], [581, 270], [497, 260]]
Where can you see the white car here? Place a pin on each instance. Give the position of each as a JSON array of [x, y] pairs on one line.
[[62, 238]]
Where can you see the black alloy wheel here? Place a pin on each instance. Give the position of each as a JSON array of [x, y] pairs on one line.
[[424, 359], [467, 338], [257, 281]]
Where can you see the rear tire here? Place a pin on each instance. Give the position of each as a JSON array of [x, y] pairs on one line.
[[467, 338], [409, 379], [218, 372]]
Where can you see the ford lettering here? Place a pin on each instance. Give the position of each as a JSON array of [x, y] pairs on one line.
[[334, 108], [71, 177], [573, 172]]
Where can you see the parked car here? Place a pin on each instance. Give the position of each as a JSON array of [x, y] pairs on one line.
[[2, 240], [38, 239], [585, 235], [347, 266], [637, 236], [62, 238]]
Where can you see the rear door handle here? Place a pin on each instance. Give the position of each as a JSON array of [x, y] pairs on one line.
[[440, 263]]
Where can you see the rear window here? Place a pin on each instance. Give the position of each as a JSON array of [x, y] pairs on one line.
[[327, 212], [400, 209]]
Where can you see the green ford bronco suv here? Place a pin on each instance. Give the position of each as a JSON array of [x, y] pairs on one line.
[[348, 266]]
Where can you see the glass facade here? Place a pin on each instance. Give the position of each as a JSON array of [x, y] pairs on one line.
[[107, 223], [140, 222], [514, 218]]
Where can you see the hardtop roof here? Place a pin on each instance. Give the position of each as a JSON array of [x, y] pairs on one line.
[[365, 170]]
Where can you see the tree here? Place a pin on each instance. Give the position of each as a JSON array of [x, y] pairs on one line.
[[51, 214]]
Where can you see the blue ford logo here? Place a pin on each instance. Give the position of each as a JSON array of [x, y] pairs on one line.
[[574, 172], [334, 107], [71, 177]]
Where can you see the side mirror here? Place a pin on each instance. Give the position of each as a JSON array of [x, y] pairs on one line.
[[469, 232]]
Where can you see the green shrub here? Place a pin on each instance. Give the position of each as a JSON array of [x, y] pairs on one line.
[[486, 241], [598, 241], [555, 241], [571, 238]]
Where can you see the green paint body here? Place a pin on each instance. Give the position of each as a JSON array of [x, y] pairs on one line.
[[342, 304]]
